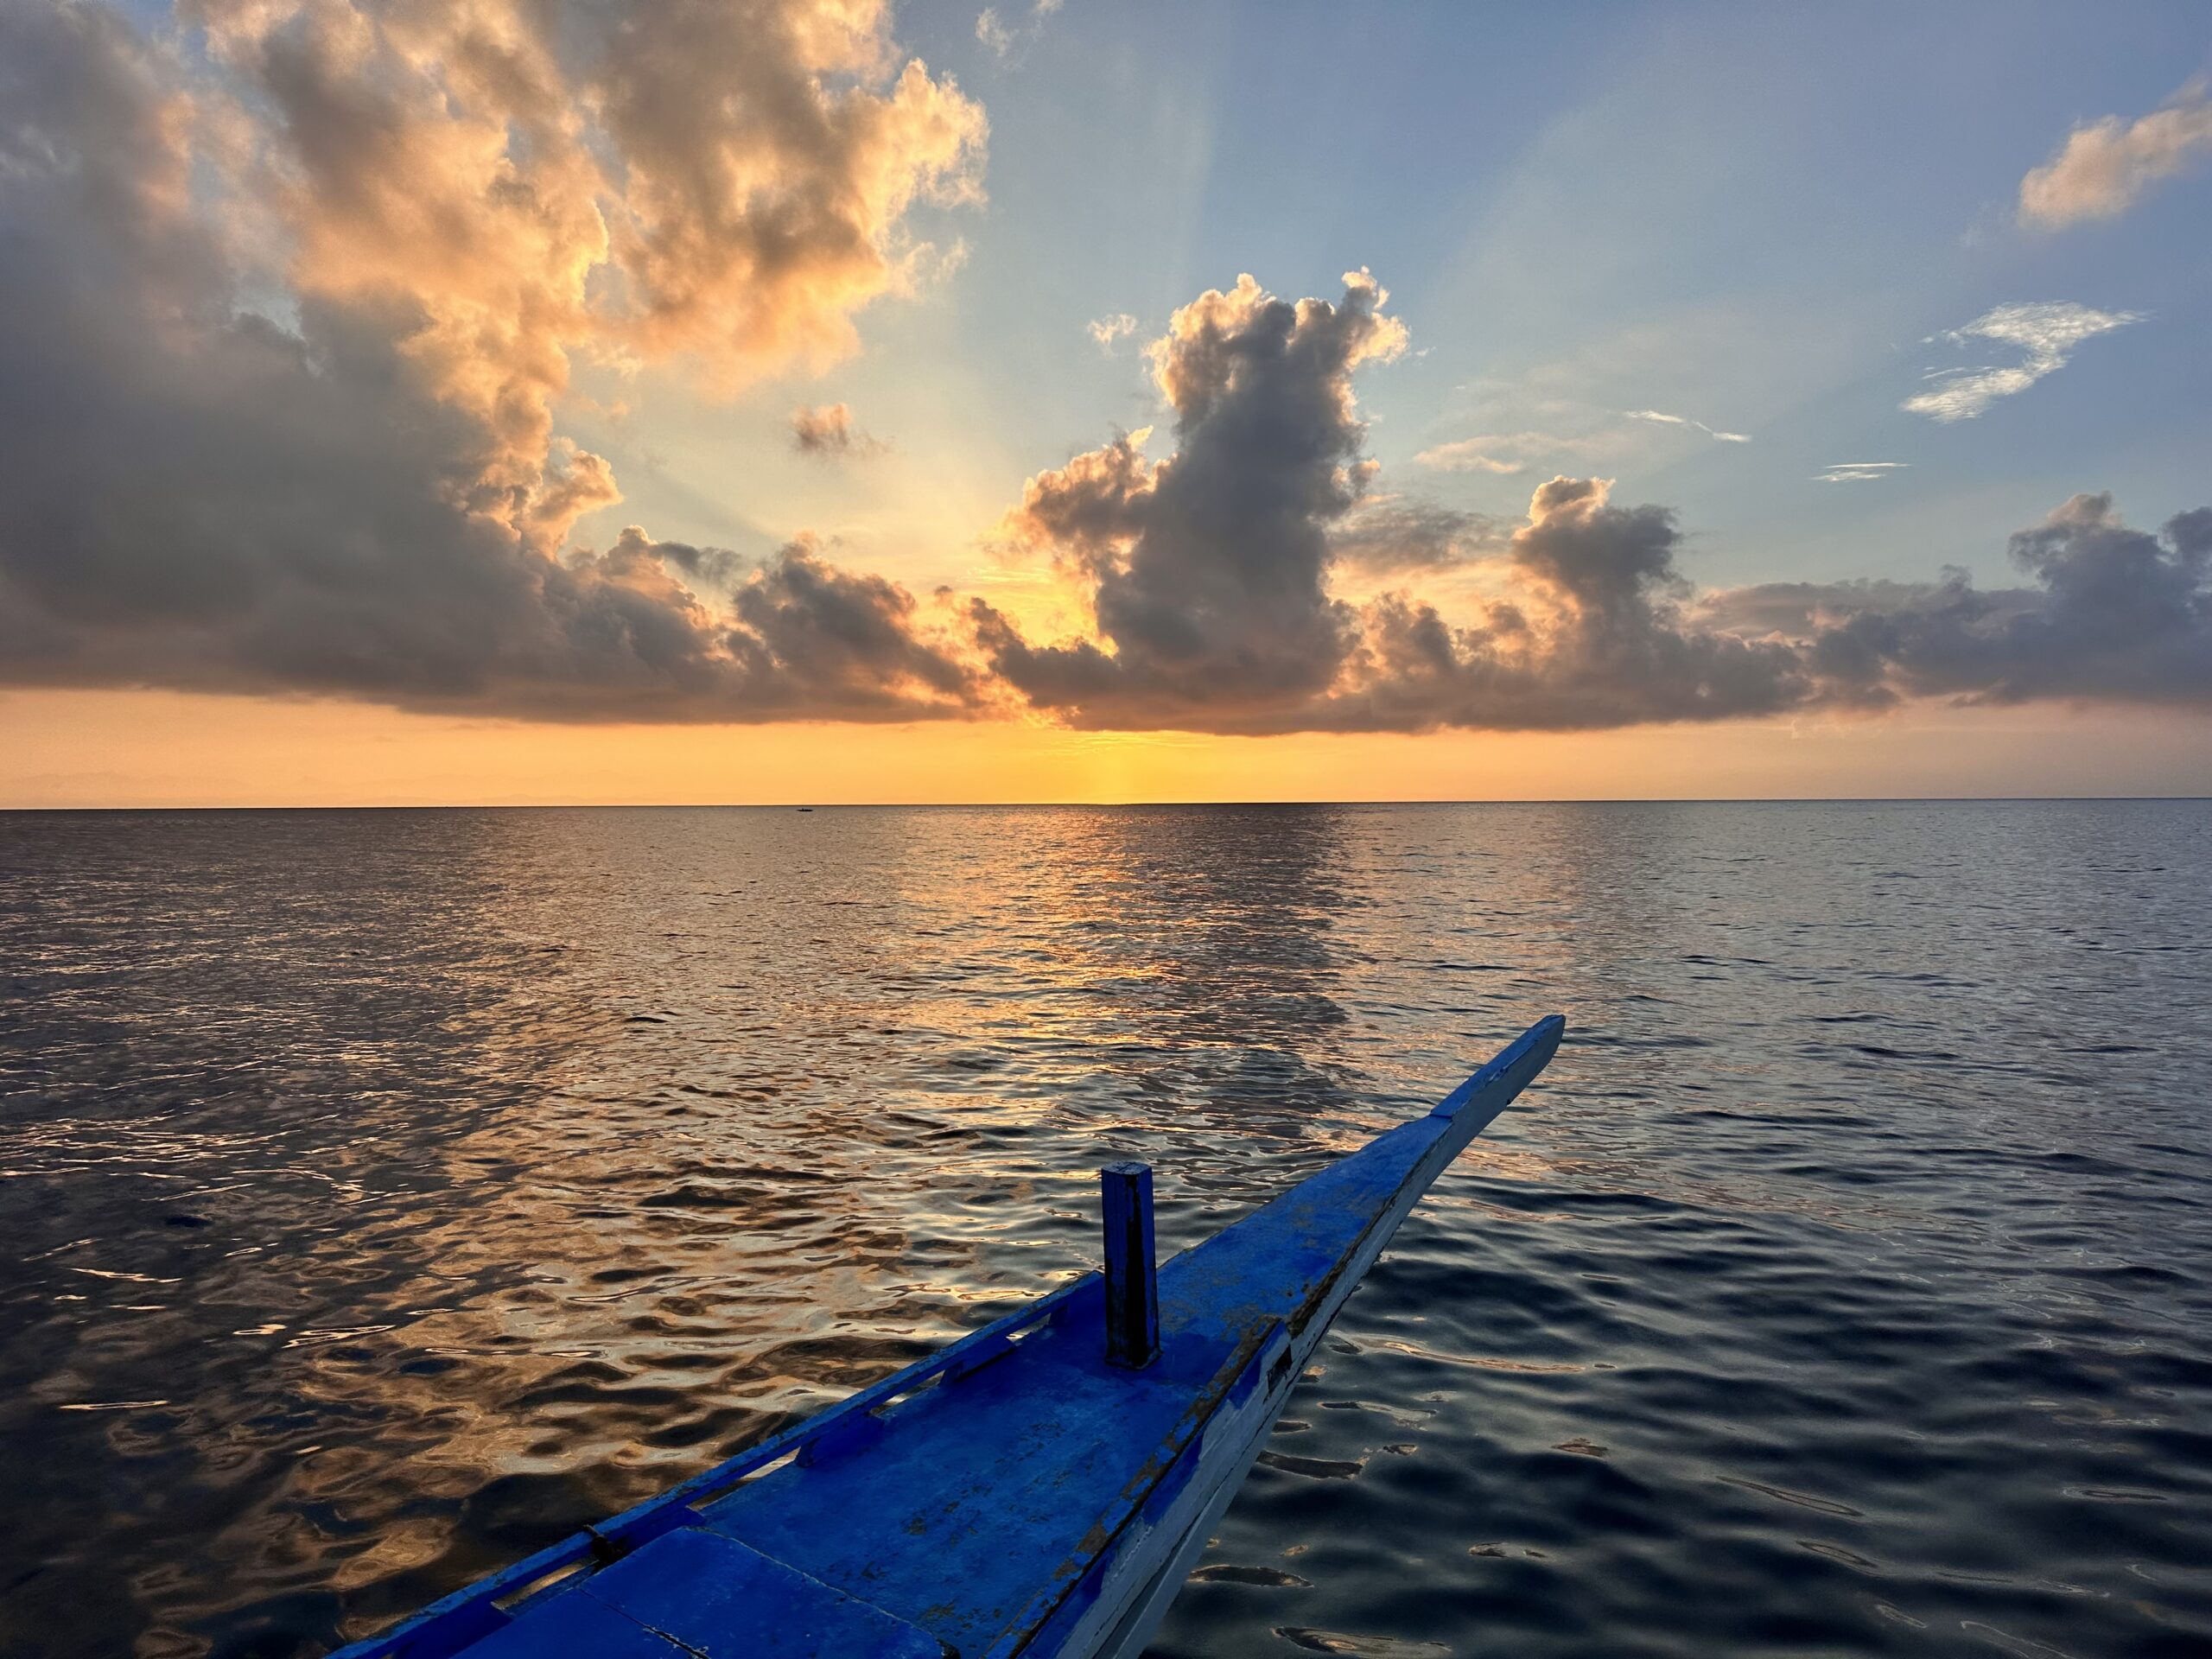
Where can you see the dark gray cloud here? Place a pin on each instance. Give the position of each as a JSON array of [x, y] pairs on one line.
[[199, 497], [800, 638], [828, 433], [1798, 610], [1206, 573], [1600, 639], [1399, 536], [2113, 614]]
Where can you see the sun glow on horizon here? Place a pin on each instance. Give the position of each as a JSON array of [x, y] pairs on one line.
[[169, 749]]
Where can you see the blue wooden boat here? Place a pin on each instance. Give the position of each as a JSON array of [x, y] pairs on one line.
[[1038, 1488]]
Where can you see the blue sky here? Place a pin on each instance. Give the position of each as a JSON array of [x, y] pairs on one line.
[[1754, 217]]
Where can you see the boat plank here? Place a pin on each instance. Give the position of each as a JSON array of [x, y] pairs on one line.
[[952, 1520], [724, 1599], [573, 1625]]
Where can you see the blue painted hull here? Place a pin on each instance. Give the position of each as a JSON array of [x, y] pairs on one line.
[[1013, 1495]]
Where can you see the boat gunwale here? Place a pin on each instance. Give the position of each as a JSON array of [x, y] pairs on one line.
[[604, 1543], [1185, 1439]]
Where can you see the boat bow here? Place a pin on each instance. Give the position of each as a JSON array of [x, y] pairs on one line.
[[1017, 1493]]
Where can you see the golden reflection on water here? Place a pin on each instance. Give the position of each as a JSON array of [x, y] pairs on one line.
[[700, 1216]]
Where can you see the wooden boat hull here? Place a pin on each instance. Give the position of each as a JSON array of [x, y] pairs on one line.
[[1015, 1494]]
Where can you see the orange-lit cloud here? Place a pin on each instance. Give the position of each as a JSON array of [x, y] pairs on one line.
[[772, 150], [281, 354], [724, 183], [2104, 166]]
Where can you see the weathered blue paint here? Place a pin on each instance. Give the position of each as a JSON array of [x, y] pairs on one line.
[[698, 1592], [1132, 1275], [1015, 1494]]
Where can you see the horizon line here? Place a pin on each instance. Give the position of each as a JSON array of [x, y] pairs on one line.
[[1062, 805]]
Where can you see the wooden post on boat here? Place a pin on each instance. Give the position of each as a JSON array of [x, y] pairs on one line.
[[1132, 1275]]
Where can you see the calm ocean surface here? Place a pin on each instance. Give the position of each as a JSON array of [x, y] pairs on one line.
[[387, 1193]]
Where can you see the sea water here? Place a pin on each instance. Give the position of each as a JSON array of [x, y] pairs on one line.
[[386, 1194]]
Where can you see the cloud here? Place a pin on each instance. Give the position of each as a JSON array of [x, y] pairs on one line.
[[1800, 611], [2114, 615], [2045, 334], [1509, 454], [1476, 454], [2104, 165], [1858, 472], [1598, 636], [1393, 535], [1713, 433], [721, 185], [771, 152], [1007, 41], [829, 433], [1205, 573], [573, 482], [2110, 615], [1599, 629], [348, 500], [1106, 330], [818, 642]]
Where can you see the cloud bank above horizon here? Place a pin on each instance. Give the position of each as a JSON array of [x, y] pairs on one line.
[[285, 325]]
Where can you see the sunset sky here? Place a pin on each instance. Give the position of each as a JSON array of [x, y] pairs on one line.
[[541, 401]]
